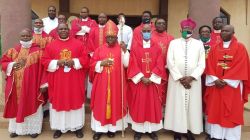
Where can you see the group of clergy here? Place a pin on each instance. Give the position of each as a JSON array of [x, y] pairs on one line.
[[130, 76]]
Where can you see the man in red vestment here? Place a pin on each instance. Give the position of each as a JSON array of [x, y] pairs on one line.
[[82, 26], [217, 25], [54, 34], [227, 78], [146, 19], [65, 59], [163, 39], [108, 101], [145, 73], [23, 101]]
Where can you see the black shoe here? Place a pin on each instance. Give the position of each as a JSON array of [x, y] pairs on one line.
[[190, 136], [153, 136], [57, 134], [97, 136], [208, 137], [177, 136], [34, 135], [137, 136], [79, 133], [45, 113], [13, 135], [111, 134]]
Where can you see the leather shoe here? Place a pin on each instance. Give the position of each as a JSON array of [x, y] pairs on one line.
[[97, 136], [190, 136], [34, 135], [111, 134], [57, 134], [137, 136], [153, 136], [177, 136], [13, 135], [79, 133]]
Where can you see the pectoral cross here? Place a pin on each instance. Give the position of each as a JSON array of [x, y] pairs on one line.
[[163, 48], [147, 60], [223, 63]]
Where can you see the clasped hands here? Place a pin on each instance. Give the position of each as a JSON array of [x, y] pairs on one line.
[[186, 81], [220, 83], [65, 62], [146, 81], [107, 62], [19, 64]]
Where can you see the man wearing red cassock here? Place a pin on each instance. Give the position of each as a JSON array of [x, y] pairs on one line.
[[227, 81], [217, 25], [145, 73], [163, 39], [23, 101], [65, 59], [82, 26], [109, 81]]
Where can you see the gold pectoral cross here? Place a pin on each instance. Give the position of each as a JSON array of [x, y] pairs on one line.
[[147, 60]]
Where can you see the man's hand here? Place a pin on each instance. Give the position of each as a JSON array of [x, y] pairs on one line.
[[123, 46], [107, 62], [186, 81], [220, 83], [44, 89], [19, 64], [69, 63], [61, 63], [146, 81]]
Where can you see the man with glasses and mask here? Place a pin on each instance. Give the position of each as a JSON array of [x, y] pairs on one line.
[[50, 22], [146, 72], [23, 106], [186, 63]]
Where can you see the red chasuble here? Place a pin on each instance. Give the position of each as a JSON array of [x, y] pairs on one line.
[[22, 96], [41, 39], [76, 26], [107, 86], [66, 89], [145, 102], [215, 37], [96, 39], [225, 105], [163, 40]]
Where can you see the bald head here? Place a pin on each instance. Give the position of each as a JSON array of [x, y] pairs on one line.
[[102, 19], [26, 35], [38, 23], [227, 32]]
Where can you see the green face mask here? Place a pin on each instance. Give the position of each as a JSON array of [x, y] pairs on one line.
[[186, 34], [204, 39]]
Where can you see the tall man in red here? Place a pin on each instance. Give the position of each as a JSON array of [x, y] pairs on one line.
[[145, 73], [23, 101], [227, 78], [163, 39], [107, 102], [82, 26], [65, 59]]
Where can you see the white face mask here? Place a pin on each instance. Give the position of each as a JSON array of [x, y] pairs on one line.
[[189, 35], [38, 30], [26, 44]]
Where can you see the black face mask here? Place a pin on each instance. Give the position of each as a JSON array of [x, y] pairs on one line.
[[146, 20]]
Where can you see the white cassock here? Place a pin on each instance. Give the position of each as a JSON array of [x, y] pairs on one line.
[[66, 120], [183, 110], [146, 127], [215, 130], [95, 124], [125, 34], [49, 24], [32, 124]]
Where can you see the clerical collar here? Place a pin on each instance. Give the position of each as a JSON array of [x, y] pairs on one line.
[[146, 44], [85, 19], [101, 26], [64, 39], [226, 44], [217, 31]]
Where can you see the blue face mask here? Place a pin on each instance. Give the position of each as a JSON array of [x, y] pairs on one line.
[[146, 35]]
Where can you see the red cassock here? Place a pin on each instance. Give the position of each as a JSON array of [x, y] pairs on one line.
[[76, 26], [225, 106], [22, 96], [145, 101], [66, 89], [163, 40], [96, 39], [109, 80], [215, 37]]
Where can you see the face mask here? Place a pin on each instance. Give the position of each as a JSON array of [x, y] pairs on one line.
[[204, 39], [146, 20], [146, 35], [38, 30], [26, 44], [186, 34]]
